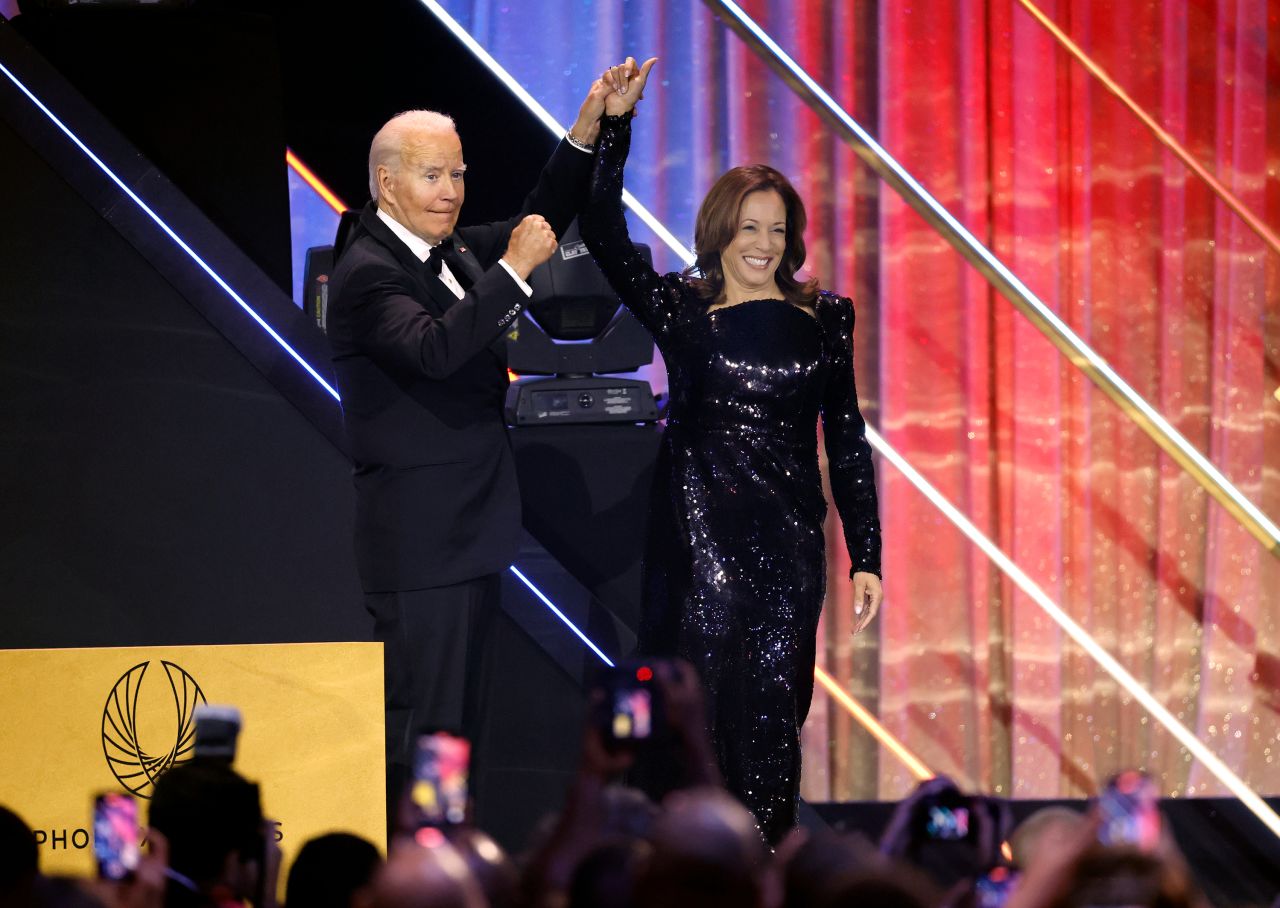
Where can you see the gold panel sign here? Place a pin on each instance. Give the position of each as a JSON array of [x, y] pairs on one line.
[[79, 722]]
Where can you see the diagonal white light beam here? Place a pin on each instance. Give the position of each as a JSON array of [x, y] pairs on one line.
[[561, 615]]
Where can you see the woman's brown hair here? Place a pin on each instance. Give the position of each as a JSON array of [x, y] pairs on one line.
[[717, 225]]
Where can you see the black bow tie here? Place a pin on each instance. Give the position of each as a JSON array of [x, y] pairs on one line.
[[445, 251], [441, 252]]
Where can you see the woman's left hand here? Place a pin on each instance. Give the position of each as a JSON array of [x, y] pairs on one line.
[[867, 594], [626, 81]]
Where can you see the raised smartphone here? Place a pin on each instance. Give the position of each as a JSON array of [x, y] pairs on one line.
[[1130, 807], [116, 840], [441, 765]]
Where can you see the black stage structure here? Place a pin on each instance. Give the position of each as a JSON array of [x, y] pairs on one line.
[[172, 475]]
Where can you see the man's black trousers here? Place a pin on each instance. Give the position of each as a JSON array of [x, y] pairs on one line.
[[436, 645]]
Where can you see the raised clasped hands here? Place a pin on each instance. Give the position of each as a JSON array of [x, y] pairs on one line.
[[615, 92], [867, 595], [625, 83]]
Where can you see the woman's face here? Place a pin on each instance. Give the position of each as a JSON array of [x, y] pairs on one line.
[[750, 261]]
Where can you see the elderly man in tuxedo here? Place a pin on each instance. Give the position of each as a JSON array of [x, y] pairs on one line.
[[416, 325]]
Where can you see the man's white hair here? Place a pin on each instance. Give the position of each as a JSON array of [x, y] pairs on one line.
[[389, 142]]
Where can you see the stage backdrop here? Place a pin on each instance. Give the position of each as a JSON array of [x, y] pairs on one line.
[[1027, 149], [78, 722]]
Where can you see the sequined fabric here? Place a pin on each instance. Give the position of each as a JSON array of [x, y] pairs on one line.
[[734, 570]]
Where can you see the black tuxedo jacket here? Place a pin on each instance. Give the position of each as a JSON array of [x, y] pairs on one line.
[[423, 378]]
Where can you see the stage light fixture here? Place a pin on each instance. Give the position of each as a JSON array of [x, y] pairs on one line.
[[576, 331]]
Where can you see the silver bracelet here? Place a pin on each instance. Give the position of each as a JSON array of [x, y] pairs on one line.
[[578, 144]]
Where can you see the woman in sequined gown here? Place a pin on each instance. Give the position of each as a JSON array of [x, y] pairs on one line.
[[734, 569]]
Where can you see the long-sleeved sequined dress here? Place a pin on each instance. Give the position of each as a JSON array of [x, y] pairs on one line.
[[734, 569]]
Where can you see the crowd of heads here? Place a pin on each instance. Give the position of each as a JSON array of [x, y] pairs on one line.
[[612, 846]]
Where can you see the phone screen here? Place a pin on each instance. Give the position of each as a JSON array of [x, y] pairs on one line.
[[1130, 808], [115, 836], [440, 768], [947, 823], [632, 714]]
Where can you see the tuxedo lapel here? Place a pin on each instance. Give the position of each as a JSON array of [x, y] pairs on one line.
[[463, 255], [441, 294]]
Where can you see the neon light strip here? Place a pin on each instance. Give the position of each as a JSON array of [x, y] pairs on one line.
[[562, 616], [871, 724], [1086, 642], [1056, 330], [313, 181], [169, 231], [884, 736], [549, 121]]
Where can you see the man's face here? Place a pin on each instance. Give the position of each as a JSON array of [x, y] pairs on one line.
[[425, 191]]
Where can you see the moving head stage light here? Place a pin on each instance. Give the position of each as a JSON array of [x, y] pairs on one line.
[[574, 329]]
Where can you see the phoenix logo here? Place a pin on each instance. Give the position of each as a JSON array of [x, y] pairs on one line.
[[166, 723]]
